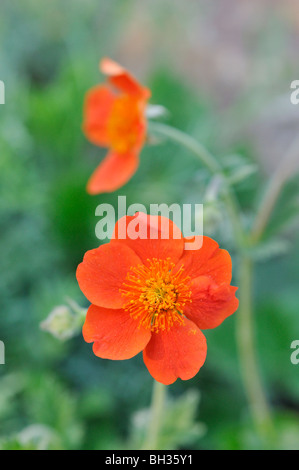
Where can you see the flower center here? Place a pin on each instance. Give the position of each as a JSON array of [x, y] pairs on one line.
[[124, 123], [156, 295]]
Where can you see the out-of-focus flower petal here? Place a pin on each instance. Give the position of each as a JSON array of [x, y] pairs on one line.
[[98, 104], [113, 172], [114, 117], [122, 79]]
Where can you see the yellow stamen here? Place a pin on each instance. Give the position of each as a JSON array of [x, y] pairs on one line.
[[156, 294]]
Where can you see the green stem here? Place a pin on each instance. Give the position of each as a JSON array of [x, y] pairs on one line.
[[156, 411], [249, 369], [188, 142], [282, 173], [245, 330], [208, 160]]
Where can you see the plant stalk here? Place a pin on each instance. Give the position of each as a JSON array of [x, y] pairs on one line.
[[282, 173], [245, 328], [253, 385], [156, 412], [209, 161]]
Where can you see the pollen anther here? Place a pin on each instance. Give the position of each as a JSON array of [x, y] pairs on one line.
[[156, 294]]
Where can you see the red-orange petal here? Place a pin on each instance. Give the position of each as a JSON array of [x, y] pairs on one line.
[[211, 303], [103, 271], [177, 353], [120, 78], [97, 107], [113, 172], [209, 260], [114, 333], [150, 236]]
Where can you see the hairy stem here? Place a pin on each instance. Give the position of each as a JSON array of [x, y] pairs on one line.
[[209, 161], [282, 173], [249, 369], [188, 142], [157, 406], [245, 328]]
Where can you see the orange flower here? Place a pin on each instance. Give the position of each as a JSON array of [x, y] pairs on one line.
[[114, 117], [154, 296]]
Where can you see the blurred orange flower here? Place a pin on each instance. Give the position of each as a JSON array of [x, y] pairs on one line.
[[154, 296], [114, 117]]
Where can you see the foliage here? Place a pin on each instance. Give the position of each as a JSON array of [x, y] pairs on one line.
[[56, 394]]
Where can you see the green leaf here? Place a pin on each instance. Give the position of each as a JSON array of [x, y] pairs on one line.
[[269, 249]]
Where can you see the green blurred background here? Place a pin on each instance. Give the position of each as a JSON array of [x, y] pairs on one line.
[[223, 70]]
